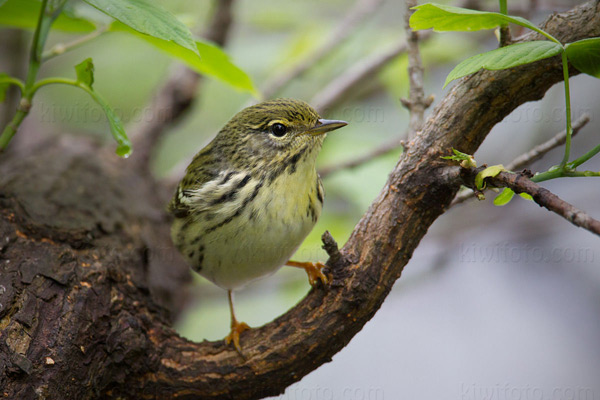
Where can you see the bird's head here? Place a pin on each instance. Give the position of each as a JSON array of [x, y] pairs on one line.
[[276, 130]]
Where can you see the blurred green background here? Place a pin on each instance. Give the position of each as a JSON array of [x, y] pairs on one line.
[[494, 298]]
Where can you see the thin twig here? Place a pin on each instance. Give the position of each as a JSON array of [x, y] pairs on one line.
[[531, 156], [177, 94], [505, 36], [416, 103], [13, 43], [337, 91], [540, 150], [373, 154], [357, 14], [546, 199], [61, 48]]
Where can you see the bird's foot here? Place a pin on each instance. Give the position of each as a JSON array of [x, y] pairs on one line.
[[234, 336], [314, 270]]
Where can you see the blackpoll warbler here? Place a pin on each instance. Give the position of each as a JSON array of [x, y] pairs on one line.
[[250, 197]]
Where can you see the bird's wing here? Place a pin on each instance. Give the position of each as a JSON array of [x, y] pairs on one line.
[[207, 187], [208, 195], [202, 170]]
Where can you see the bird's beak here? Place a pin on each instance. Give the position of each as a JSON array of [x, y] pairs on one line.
[[326, 125]]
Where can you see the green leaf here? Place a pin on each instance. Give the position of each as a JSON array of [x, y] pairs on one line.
[[458, 156], [489, 172], [147, 17], [116, 126], [526, 196], [505, 57], [504, 197], [585, 55], [25, 13], [85, 72], [447, 18], [214, 62], [2, 2], [4, 83], [465, 160]]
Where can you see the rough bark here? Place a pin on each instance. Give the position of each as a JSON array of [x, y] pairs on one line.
[[79, 232]]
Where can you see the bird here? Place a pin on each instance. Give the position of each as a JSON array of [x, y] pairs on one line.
[[251, 196]]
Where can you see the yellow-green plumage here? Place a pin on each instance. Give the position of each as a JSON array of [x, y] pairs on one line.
[[252, 195]]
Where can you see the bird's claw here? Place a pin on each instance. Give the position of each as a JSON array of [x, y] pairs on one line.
[[314, 270], [234, 336]]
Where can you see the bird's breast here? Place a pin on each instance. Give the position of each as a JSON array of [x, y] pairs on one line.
[[250, 234]]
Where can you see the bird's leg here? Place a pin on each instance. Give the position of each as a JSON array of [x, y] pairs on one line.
[[313, 270], [236, 327]]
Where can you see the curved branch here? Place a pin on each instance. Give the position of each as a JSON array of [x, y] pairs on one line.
[[417, 192], [77, 277]]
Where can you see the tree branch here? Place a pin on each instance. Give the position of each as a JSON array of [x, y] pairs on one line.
[[83, 285], [542, 196], [417, 192], [540, 150], [416, 103], [338, 90], [377, 152], [361, 10], [531, 156]]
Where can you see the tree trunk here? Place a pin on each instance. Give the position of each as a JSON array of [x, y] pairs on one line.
[[88, 274]]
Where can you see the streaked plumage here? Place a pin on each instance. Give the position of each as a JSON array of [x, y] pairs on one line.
[[250, 197]]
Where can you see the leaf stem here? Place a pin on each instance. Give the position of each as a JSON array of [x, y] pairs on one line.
[[39, 40], [71, 82], [504, 29], [544, 33], [45, 20], [54, 80], [576, 163], [13, 81], [569, 130], [12, 127], [503, 7], [60, 48], [557, 173], [116, 127]]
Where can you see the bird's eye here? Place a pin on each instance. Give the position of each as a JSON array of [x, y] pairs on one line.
[[278, 129]]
